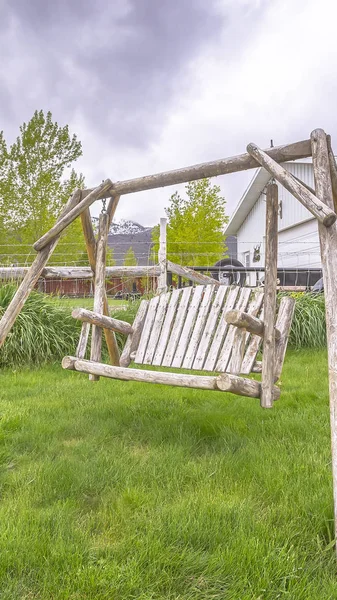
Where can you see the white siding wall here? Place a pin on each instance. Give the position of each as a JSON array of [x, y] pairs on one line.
[[298, 235], [299, 246]]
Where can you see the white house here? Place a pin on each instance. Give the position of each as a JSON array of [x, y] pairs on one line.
[[298, 232]]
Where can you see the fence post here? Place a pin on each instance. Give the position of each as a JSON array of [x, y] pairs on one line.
[[162, 258]]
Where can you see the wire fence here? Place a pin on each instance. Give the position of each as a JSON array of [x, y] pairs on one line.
[[299, 264]]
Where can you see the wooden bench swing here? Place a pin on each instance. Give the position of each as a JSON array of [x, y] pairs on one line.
[[205, 328]]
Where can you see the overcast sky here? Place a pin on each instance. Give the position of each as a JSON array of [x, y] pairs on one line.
[[151, 85]]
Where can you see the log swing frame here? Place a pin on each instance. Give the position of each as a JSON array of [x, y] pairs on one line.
[[321, 202]]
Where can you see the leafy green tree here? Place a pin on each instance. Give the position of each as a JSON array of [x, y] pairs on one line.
[[130, 259], [36, 180], [195, 228]]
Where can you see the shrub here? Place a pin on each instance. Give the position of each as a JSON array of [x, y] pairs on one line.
[[43, 332], [308, 326]]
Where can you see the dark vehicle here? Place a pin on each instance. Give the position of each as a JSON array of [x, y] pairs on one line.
[[229, 277]]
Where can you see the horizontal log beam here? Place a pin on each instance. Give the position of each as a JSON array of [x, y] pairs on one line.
[[319, 209], [17, 273], [242, 386], [225, 382], [246, 321], [191, 274], [89, 316], [69, 217], [241, 162], [177, 379]]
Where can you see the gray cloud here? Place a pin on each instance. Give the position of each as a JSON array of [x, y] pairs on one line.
[[121, 66]]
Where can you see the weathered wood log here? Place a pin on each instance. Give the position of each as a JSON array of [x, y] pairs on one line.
[[224, 382], [162, 258], [214, 168], [131, 344], [89, 316], [328, 243], [319, 209], [70, 216], [175, 379], [90, 243], [242, 386], [90, 240], [190, 274], [111, 209], [17, 273], [238, 352], [268, 356], [283, 325], [83, 341], [333, 172], [31, 277], [244, 320], [100, 294], [257, 368]]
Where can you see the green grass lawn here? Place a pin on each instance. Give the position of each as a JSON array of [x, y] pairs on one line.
[[118, 491], [85, 302]]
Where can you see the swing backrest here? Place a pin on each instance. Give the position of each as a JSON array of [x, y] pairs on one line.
[[186, 328]]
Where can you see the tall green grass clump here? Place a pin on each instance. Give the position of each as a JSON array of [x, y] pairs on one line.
[[308, 326], [43, 332]]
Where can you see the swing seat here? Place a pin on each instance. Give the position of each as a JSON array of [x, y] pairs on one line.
[[202, 328]]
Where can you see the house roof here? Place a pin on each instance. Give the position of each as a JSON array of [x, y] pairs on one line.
[[250, 196]]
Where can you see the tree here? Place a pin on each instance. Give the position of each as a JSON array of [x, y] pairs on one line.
[[195, 228], [36, 180]]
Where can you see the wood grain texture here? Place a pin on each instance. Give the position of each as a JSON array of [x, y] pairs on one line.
[[210, 328], [191, 315], [89, 316], [202, 314], [205, 382], [233, 164], [190, 274], [70, 216], [90, 243], [146, 332], [131, 344], [177, 327], [167, 326], [246, 321], [242, 386], [333, 172], [283, 325], [83, 341], [99, 294], [31, 277], [268, 356], [221, 330], [226, 350], [319, 209], [328, 244], [156, 329], [254, 308]]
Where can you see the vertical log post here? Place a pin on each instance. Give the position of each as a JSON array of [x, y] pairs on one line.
[[328, 243], [162, 258], [100, 294], [268, 357], [90, 243]]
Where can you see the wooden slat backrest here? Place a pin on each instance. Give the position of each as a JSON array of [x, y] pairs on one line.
[[186, 328]]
